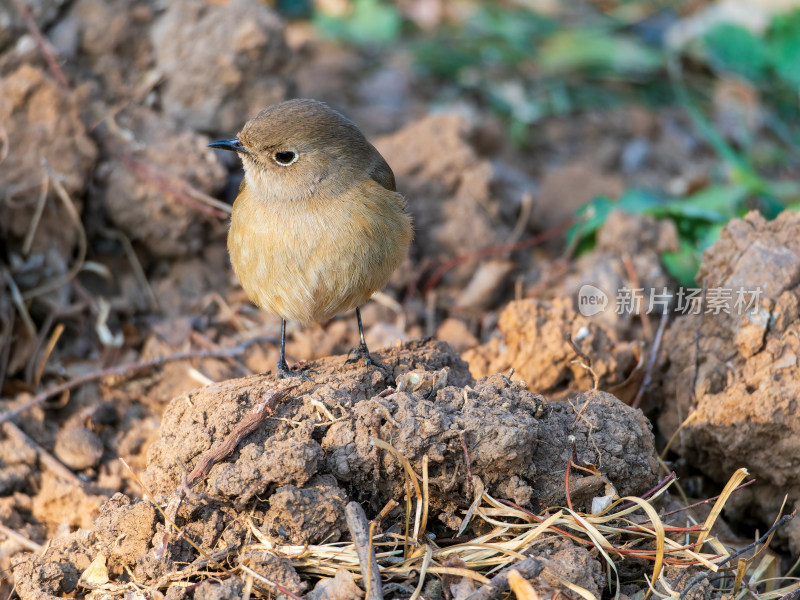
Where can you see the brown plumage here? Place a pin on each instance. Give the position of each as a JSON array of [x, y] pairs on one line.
[[317, 226]]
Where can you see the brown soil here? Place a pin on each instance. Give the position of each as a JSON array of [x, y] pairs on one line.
[[294, 475], [500, 402], [45, 125], [737, 374], [238, 78], [143, 211], [534, 343], [460, 201]]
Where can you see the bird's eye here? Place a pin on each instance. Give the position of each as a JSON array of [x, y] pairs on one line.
[[285, 158]]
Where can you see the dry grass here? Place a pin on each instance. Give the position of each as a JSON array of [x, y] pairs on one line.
[[629, 527]]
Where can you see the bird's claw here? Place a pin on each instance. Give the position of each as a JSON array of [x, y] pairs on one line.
[[360, 352], [284, 372]]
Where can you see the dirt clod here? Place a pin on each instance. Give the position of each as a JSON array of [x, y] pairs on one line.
[[167, 224], [125, 529], [743, 363], [293, 475], [219, 590], [608, 434], [341, 586], [638, 240], [533, 343], [307, 515], [45, 124], [16, 464], [460, 201], [573, 563], [277, 569], [60, 503], [78, 448], [38, 579], [285, 450], [502, 426], [234, 52]]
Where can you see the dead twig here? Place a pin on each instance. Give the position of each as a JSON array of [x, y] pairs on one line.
[[47, 459], [39, 350], [657, 488], [37, 214], [389, 507], [698, 578], [442, 270], [647, 328], [197, 566], [83, 242], [245, 427], [178, 189], [360, 532], [23, 541], [573, 461], [123, 371], [524, 217], [706, 501], [19, 302], [467, 462], [528, 568], [662, 325], [7, 320], [52, 64], [697, 343], [587, 362], [48, 350]]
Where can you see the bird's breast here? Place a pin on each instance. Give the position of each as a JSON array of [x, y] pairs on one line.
[[309, 260]]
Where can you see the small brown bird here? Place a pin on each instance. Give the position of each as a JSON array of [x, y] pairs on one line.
[[317, 226]]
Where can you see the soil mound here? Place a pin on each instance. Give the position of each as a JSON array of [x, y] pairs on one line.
[[344, 434]]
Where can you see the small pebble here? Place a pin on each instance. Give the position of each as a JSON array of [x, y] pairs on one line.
[[78, 448]]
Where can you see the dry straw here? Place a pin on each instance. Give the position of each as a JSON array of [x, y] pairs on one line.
[[629, 527], [617, 533]]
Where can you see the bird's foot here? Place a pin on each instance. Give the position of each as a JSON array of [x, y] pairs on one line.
[[360, 352], [284, 372]]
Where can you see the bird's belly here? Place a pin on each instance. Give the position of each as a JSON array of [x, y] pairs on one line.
[[310, 267]]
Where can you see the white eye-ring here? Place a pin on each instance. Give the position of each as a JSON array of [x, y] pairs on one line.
[[285, 157]]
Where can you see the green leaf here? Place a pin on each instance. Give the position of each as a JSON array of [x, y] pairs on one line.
[[571, 50], [594, 213], [590, 217], [683, 264], [707, 236], [638, 201], [715, 203], [371, 23], [491, 36], [783, 46], [734, 49], [508, 34], [769, 206]]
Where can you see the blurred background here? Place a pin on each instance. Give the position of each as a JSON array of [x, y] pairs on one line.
[[501, 119], [515, 129]]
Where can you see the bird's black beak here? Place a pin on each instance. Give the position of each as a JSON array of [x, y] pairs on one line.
[[233, 145]]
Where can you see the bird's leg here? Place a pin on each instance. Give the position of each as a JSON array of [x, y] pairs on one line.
[[283, 370], [362, 351]]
